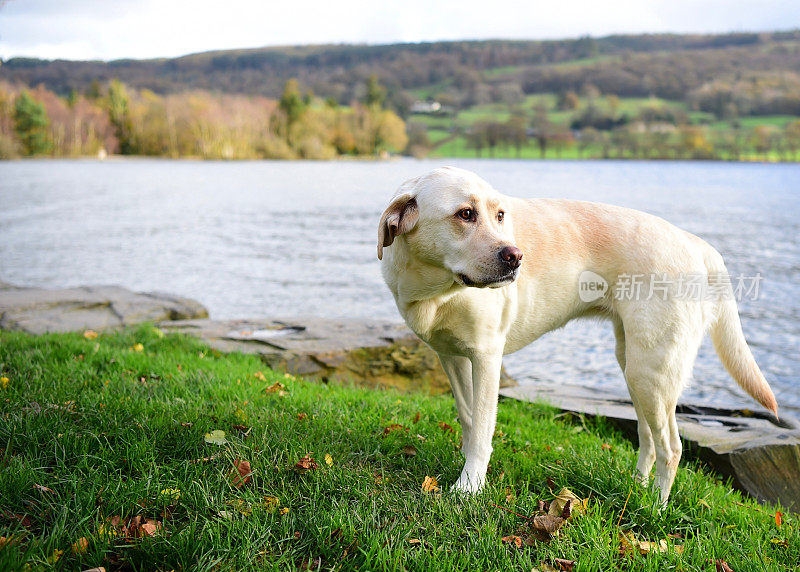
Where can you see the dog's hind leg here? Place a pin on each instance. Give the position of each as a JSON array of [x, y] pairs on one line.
[[647, 451], [658, 365], [459, 372]]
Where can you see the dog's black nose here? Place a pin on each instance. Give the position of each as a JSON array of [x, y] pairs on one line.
[[511, 256]]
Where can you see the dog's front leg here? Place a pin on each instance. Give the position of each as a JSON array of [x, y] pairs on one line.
[[459, 372], [485, 388]]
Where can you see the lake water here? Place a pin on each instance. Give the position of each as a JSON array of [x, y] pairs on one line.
[[272, 239]]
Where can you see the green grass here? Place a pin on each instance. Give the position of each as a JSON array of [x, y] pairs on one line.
[[108, 428]]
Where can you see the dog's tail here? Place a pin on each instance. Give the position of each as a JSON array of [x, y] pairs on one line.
[[728, 337]]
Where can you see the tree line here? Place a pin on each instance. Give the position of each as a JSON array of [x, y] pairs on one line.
[[118, 119]]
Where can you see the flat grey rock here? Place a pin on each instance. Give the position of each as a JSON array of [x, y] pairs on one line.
[[41, 310], [371, 354], [760, 454]]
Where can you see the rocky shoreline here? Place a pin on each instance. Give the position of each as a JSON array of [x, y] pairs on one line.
[[760, 455]]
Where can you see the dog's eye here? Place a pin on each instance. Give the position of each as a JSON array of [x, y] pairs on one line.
[[500, 216], [466, 214]]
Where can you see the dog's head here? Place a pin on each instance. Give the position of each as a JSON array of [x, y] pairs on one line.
[[454, 220]]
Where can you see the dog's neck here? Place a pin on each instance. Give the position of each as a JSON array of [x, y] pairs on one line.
[[418, 288]]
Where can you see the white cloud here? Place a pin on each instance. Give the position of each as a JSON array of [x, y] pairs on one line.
[[82, 29]]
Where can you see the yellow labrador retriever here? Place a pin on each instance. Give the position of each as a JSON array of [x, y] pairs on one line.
[[477, 275]]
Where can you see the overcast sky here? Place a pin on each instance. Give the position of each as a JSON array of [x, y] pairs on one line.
[[110, 29]]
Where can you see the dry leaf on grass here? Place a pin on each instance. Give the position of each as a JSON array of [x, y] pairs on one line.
[[629, 544], [170, 495], [778, 519], [98, 569], [130, 528], [90, 334], [306, 464], [392, 428], [513, 540], [409, 451], [721, 565], [8, 540], [416, 417], [567, 504], [430, 485], [42, 489], [276, 387], [558, 565], [216, 437], [445, 427], [150, 528], [80, 546], [240, 473]]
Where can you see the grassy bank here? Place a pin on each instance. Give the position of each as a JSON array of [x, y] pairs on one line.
[[106, 461]]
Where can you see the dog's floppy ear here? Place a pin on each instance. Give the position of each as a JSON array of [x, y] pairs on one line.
[[399, 218]]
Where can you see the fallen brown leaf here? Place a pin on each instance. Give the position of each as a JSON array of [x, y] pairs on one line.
[[515, 540], [561, 564], [42, 489], [546, 526], [445, 427], [721, 565], [240, 473], [150, 528], [414, 541], [306, 464], [630, 544], [605, 447], [778, 519], [276, 387], [394, 427], [409, 451], [566, 498], [430, 485], [80, 546], [416, 417], [241, 428], [302, 416]]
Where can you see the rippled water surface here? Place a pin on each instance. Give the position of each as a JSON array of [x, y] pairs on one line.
[[263, 239]]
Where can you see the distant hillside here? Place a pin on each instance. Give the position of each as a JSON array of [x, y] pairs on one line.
[[462, 73]]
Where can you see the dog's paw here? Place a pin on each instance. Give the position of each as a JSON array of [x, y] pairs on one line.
[[467, 485]]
